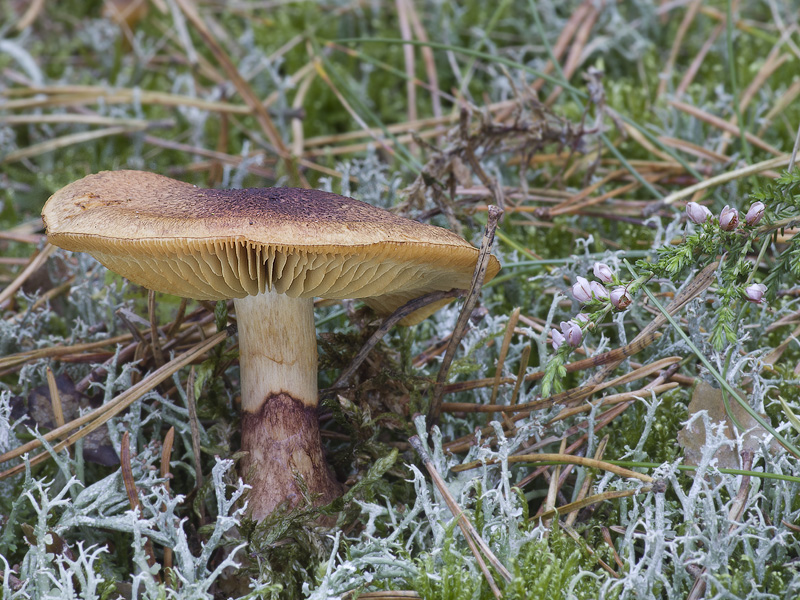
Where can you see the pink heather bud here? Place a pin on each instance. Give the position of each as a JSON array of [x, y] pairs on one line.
[[603, 272], [582, 290], [697, 213], [572, 333], [728, 218], [755, 293], [558, 338], [620, 298], [598, 291], [755, 213], [581, 319]]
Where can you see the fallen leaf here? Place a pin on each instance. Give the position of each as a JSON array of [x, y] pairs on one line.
[[693, 437], [37, 410]]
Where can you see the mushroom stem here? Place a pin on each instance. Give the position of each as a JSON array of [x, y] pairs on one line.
[[280, 428]]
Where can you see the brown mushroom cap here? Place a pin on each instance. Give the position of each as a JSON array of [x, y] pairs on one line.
[[208, 244]]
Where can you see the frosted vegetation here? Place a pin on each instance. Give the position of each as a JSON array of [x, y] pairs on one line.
[[719, 518]]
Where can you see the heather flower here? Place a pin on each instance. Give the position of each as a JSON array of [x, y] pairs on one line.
[[755, 213], [603, 272], [572, 333], [755, 293], [697, 213], [620, 298], [598, 291], [582, 290], [728, 218], [558, 338]]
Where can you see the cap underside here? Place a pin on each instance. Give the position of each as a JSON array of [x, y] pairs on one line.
[[385, 273]]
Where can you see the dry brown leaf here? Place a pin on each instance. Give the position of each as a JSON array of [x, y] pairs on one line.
[[692, 439], [38, 411]]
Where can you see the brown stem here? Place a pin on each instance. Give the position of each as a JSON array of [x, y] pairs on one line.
[[280, 429]]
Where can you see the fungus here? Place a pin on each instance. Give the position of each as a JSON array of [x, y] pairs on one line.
[[272, 250]]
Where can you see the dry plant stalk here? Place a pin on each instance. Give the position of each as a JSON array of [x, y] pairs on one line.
[[476, 543], [434, 411]]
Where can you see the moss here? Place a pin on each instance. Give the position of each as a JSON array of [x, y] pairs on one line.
[[661, 444], [548, 569]]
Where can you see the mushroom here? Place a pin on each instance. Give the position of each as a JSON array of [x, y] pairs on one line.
[[272, 250]]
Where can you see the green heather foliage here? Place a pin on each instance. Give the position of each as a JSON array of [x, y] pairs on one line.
[[67, 530]]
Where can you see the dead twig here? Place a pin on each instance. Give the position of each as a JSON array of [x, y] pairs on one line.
[[478, 276], [384, 328]]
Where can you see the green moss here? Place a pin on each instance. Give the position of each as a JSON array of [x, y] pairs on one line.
[[546, 568]]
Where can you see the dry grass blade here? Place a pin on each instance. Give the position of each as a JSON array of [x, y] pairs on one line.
[[63, 96], [389, 595], [552, 489], [724, 126], [20, 358], [55, 398], [695, 149], [773, 62], [215, 155], [697, 62], [613, 399], [612, 356], [772, 163], [576, 54], [416, 126], [74, 119], [570, 396], [574, 507], [492, 220], [35, 263], [127, 471], [67, 140], [130, 488], [523, 366], [377, 135], [99, 416], [559, 458], [666, 73], [408, 57], [501, 359], [427, 57], [587, 481], [166, 452], [31, 14], [475, 541]]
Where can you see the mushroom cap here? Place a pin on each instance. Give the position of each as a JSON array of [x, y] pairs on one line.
[[210, 244]]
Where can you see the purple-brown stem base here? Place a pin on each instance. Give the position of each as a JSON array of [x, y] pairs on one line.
[[283, 443]]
